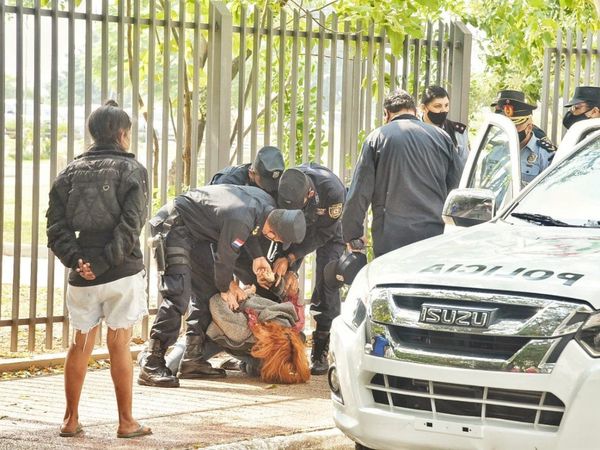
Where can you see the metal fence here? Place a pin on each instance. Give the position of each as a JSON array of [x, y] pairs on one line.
[[205, 88], [575, 61]]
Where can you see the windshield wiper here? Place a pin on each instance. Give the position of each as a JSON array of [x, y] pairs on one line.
[[541, 219]]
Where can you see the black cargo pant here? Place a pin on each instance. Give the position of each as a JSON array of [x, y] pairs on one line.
[[189, 275], [325, 300]]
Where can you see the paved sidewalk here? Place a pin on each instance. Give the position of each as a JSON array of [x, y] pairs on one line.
[[232, 413]]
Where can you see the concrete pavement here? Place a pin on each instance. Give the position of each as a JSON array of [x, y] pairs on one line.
[[233, 413]]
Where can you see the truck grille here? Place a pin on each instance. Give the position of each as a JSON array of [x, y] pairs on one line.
[[459, 343], [431, 325], [532, 407]]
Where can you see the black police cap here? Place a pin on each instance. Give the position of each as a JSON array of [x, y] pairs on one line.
[[293, 189], [515, 98], [344, 269], [269, 165], [587, 94]]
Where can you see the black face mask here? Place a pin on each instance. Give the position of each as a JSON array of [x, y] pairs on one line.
[[569, 119], [522, 135], [437, 118]]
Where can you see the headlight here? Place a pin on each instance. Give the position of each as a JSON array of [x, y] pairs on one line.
[[589, 335], [354, 309]]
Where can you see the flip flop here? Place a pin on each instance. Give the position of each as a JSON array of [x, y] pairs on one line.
[[74, 433], [141, 431]]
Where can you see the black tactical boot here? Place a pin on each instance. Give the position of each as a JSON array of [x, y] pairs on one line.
[[153, 368], [318, 355], [193, 364]]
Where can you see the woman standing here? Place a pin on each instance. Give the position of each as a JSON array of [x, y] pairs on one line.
[[435, 104], [97, 208]]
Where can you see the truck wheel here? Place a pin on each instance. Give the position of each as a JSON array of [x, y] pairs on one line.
[[358, 446]]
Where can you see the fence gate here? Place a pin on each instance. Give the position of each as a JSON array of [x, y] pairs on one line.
[[205, 88]]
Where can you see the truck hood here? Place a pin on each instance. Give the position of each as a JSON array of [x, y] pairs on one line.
[[500, 256]]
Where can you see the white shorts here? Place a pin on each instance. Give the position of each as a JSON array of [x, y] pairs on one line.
[[121, 303]]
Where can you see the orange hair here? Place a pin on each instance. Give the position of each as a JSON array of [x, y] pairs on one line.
[[282, 354]]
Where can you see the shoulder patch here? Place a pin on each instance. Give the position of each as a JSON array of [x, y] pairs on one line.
[[460, 127], [546, 144], [335, 211]]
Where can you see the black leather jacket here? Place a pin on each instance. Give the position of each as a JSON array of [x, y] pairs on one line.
[[97, 208]]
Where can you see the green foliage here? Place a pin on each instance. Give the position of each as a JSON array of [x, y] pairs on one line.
[[515, 34]]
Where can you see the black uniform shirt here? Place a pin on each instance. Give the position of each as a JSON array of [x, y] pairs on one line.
[[230, 216], [323, 211]]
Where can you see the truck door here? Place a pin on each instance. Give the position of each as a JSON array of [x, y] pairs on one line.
[[494, 161]]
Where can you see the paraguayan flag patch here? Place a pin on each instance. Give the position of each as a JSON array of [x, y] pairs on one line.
[[237, 244]]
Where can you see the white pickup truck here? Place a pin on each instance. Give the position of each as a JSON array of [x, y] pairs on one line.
[[487, 337]]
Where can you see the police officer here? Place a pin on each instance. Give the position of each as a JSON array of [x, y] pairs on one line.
[[320, 194], [264, 172], [506, 97], [536, 153], [585, 104], [405, 171], [204, 231], [435, 105]]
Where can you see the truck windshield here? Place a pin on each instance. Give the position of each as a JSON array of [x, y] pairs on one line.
[[568, 196]]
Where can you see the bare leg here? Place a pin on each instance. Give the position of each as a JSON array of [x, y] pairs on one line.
[[75, 369], [121, 370]]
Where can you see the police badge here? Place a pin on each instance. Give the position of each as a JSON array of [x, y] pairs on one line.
[[255, 231], [335, 211], [532, 158]]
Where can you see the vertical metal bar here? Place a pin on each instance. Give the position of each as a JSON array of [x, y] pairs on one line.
[[281, 79], [440, 53], [195, 98], [332, 92], [320, 70], [307, 83], [598, 58], [219, 87], [180, 136], [135, 78], [567, 68], [546, 88], [121, 52], [345, 109], [2, 130], [416, 67], [429, 46], [88, 66], [35, 195], [578, 51], [380, 80], [461, 73], [166, 76], [70, 145], [254, 80], [356, 111], [588, 59], [104, 55], [369, 90], [241, 86], [393, 72], [16, 283], [346, 113], [294, 93], [556, 95], [53, 166], [268, 78], [405, 61], [149, 148]]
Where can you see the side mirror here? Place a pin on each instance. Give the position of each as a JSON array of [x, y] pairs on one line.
[[468, 207]]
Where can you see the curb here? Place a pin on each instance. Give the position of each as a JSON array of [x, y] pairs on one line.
[[53, 359]]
